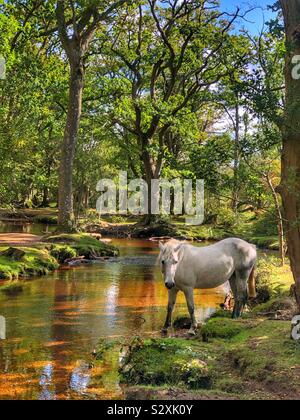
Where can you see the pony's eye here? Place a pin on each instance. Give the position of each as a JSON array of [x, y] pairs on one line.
[[162, 262]]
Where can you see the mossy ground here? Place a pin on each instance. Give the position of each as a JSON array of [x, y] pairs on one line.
[[35, 262], [167, 361], [244, 359], [84, 245]]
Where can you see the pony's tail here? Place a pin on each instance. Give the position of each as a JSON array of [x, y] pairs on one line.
[[252, 285]]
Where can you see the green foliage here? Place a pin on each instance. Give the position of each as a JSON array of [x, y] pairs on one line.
[[272, 279]]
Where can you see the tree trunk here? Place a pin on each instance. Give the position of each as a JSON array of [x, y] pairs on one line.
[[235, 194], [279, 221], [66, 219], [290, 182], [152, 171], [45, 201]]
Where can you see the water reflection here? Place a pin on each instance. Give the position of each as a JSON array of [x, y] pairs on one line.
[[55, 324], [23, 227]]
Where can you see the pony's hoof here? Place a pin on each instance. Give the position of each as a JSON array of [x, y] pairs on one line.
[[164, 331], [192, 332]]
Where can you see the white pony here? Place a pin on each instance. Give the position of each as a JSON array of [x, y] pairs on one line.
[[186, 267]]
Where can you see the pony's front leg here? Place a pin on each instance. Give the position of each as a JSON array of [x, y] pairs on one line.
[[172, 300], [189, 295]]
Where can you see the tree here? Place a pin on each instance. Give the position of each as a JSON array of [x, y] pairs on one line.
[[163, 65], [77, 24], [290, 182], [30, 119]]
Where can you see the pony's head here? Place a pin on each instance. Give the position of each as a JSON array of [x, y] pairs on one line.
[[169, 258]]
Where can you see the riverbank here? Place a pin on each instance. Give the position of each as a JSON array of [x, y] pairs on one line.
[[259, 229], [247, 359], [252, 358], [23, 256]]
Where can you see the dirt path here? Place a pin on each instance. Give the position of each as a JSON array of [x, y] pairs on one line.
[[19, 239]]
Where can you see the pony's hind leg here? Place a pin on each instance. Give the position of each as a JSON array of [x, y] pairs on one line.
[[240, 291], [189, 295], [172, 300]]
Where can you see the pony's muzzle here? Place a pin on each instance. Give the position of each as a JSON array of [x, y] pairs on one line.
[[170, 285]]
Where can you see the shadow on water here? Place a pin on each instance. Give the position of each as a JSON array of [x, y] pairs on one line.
[[54, 325]]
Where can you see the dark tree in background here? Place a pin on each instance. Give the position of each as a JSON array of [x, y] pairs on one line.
[[290, 183], [76, 27]]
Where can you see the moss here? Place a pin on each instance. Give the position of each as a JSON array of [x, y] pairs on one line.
[[267, 355], [84, 245], [62, 253], [168, 361], [276, 304], [223, 328], [222, 314], [34, 262]]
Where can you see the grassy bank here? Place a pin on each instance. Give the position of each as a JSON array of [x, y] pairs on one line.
[[245, 359], [82, 244], [32, 262]]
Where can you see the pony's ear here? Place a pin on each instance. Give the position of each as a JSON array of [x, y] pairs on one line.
[[161, 246], [178, 247]]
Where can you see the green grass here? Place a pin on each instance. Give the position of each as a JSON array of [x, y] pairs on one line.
[[271, 274], [223, 328]]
